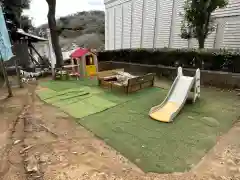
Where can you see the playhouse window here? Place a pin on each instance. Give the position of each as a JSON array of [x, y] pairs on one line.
[[89, 60], [75, 61]]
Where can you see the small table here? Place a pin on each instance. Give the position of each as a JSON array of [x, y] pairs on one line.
[[70, 66], [73, 73]]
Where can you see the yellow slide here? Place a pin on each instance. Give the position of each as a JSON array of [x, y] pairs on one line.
[[164, 114], [176, 97]]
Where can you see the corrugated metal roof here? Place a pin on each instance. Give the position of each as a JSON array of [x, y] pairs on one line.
[[32, 37]]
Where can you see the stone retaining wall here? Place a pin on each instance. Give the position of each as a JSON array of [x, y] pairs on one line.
[[210, 78]]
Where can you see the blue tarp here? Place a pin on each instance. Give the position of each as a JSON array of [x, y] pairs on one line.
[[5, 45]]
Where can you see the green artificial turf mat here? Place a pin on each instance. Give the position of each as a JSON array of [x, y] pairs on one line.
[[59, 85], [45, 93], [165, 147], [79, 101], [70, 84], [88, 106], [66, 97], [68, 101]]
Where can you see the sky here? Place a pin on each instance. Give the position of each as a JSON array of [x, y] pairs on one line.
[[39, 8]]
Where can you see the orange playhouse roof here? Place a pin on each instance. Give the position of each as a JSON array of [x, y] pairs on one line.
[[79, 52]]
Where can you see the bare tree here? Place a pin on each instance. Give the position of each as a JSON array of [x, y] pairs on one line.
[[54, 32]]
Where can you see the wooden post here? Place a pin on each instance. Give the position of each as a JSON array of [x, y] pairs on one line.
[[17, 71], [18, 74], [10, 94], [72, 63], [78, 64]]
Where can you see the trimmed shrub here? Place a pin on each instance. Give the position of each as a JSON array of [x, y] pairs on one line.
[[208, 59]]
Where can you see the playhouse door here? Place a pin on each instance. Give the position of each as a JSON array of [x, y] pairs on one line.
[[90, 66]]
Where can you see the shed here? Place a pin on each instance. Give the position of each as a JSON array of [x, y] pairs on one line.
[[23, 48]]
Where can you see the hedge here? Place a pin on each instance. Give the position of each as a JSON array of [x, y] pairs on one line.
[[208, 59]]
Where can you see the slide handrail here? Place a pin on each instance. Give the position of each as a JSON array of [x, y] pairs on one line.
[[155, 108]]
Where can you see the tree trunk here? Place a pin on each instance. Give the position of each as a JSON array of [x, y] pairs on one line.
[[18, 74], [54, 34], [201, 42]]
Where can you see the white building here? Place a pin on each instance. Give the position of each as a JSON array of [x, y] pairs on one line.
[[157, 24]]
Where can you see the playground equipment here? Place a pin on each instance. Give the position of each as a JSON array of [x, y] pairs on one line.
[[120, 79], [177, 96], [83, 62]]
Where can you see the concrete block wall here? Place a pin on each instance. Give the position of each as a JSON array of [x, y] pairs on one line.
[[223, 80]]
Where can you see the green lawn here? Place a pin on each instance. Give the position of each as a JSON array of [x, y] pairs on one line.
[[163, 147]]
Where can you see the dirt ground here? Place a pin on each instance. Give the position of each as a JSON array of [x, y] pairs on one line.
[[38, 141]]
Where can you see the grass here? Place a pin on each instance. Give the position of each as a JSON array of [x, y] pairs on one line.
[[155, 146], [160, 147]]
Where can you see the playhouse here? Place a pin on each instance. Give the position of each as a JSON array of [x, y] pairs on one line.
[[84, 62]]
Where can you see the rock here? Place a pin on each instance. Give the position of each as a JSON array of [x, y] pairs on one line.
[[124, 169], [25, 149], [100, 176], [16, 142], [61, 158], [32, 164], [74, 152], [65, 165], [237, 161], [44, 158], [84, 152]]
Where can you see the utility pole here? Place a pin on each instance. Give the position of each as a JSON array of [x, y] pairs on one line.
[[20, 18]]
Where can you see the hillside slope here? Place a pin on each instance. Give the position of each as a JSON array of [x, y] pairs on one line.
[[86, 29]]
